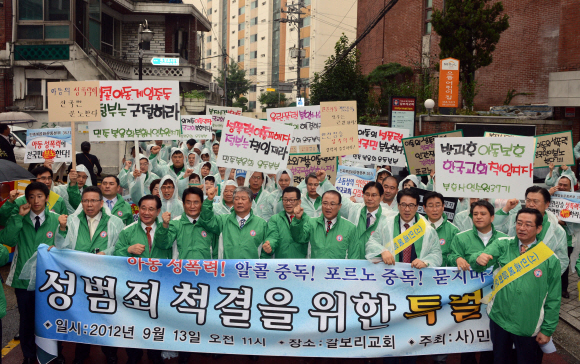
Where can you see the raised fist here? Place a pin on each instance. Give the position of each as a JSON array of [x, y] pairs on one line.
[[211, 193], [321, 175], [62, 219], [136, 173], [298, 211], [155, 149], [72, 176], [510, 204], [187, 173], [24, 209], [166, 218], [483, 259], [267, 248], [14, 194], [128, 164]]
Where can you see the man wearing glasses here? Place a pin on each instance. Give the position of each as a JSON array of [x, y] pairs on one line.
[[279, 240], [425, 252], [330, 235], [434, 207], [552, 234], [538, 290]]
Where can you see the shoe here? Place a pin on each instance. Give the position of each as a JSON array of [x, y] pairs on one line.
[[565, 294], [17, 337]]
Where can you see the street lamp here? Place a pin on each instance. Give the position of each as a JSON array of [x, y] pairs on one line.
[[429, 105], [144, 35]]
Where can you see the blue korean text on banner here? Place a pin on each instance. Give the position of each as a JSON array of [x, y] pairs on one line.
[[351, 180], [315, 308]]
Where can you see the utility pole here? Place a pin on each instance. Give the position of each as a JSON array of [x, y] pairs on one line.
[[225, 60], [294, 13]]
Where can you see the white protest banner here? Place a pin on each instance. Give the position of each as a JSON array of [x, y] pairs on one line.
[[305, 120], [351, 180], [53, 144], [380, 145], [566, 206], [484, 167], [133, 110], [218, 114], [196, 127], [254, 144]]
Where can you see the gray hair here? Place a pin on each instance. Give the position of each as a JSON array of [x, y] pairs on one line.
[[242, 190], [310, 175]]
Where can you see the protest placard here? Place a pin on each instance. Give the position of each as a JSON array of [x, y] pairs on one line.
[[351, 180], [380, 145], [305, 120], [133, 110], [449, 204], [301, 307], [493, 134], [302, 164], [218, 115], [48, 144], [196, 127], [484, 167], [254, 144], [566, 206], [420, 151], [73, 101], [557, 148], [338, 130]]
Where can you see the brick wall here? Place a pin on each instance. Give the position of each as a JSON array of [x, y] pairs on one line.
[[542, 38], [5, 24], [5, 89], [188, 24], [130, 38]]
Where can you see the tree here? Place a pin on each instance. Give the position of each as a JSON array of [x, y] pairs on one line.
[[241, 102], [394, 80], [238, 85], [469, 30], [342, 82], [270, 99]]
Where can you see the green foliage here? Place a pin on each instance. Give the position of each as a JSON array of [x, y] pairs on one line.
[[513, 93], [238, 84], [272, 99], [393, 80], [241, 102], [343, 82], [194, 94], [470, 31]]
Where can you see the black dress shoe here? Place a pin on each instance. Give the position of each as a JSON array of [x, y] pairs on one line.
[[565, 294]]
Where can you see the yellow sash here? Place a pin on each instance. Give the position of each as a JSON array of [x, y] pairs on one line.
[[410, 236], [52, 199], [518, 267]]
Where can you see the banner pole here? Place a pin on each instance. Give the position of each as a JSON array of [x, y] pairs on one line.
[[73, 146]]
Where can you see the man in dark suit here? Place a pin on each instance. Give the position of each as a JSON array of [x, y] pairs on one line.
[[6, 147], [88, 160]]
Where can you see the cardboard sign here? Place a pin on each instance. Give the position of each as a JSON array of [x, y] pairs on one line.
[[449, 204], [137, 110], [218, 114], [305, 120], [254, 144], [338, 131], [303, 164], [379, 145], [484, 167], [420, 151], [566, 206], [402, 113], [557, 148], [448, 82], [53, 144], [196, 127], [351, 180], [73, 101]]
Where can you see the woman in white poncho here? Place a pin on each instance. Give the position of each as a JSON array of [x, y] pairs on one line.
[[405, 183], [63, 190], [215, 147], [170, 200], [205, 157], [284, 178], [139, 186]]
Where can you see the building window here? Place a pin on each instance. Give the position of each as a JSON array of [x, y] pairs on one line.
[[254, 4], [305, 62], [252, 105], [305, 42], [241, 26], [209, 11], [306, 21], [254, 21], [253, 38], [242, 10], [241, 58], [209, 52], [307, 2], [240, 42], [208, 66], [49, 11], [253, 54], [428, 15], [209, 39], [252, 88], [253, 71]]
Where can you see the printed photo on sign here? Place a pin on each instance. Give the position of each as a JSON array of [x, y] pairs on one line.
[[48, 144], [352, 180]]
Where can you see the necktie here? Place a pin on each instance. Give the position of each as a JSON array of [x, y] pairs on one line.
[[523, 249], [433, 226], [369, 215], [92, 227], [110, 204], [408, 250], [328, 226], [193, 222], [148, 231], [37, 223], [291, 217], [242, 223]]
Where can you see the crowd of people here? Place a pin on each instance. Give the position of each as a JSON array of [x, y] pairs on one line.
[[181, 191]]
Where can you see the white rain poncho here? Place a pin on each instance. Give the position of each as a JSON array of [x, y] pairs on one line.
[[415, 180], [219, 207], [209, 142], [162, 169], [218, 177], [382, 240], [195, 163], [463, 220], [276, 195], [62, 190], [213, 157], [139, 187], [261, 206], [553, 181], [351, 210], [571, 229], [271, 183], [381, 170], [174, 204], [462, 205], [306, 203], [213, 170]]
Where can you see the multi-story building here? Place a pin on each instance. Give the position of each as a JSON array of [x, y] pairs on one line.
[[249, 32]]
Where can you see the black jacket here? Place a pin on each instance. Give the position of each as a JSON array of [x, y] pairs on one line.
[[6, 150], [89, 161]]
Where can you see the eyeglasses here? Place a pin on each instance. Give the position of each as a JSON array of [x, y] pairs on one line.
[[142, 209], [331, 204], [256, 178], [44, 179], [410, 206], [192, 203], [167, 188], [530, 201], [91, 202], [289, 200]]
